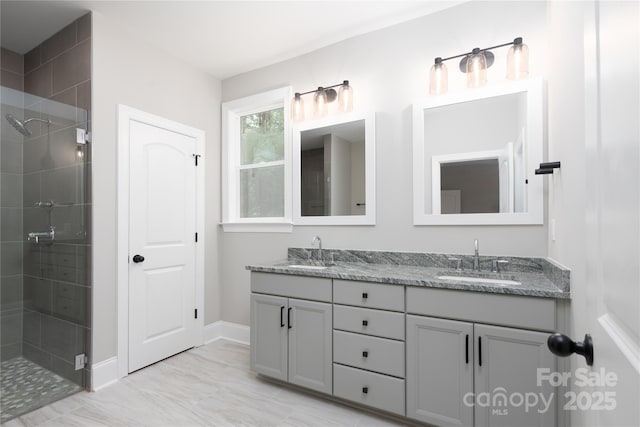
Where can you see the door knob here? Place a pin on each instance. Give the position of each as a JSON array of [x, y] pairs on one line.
[[138, 258], [562, 345]]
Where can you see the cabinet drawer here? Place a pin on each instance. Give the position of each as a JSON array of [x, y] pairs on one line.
[[312, 288], [508, 310], [382, 392], [371, 353], [367, 321], [367, 294]]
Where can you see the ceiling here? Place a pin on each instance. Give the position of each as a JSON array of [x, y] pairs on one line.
[[224, 38]]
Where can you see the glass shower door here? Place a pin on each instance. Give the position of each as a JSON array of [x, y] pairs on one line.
[[45, 250]]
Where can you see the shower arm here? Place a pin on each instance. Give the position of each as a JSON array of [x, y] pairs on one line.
[[35, 119]]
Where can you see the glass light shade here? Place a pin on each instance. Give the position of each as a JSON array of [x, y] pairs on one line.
[[345, 98], [297, 108], [518, 60], [438, 78], [476, 69], [320, 108]]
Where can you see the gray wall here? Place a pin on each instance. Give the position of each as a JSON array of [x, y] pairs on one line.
[[57, 276], [129, 71], [388, 70], [478, 182], [12, 76]]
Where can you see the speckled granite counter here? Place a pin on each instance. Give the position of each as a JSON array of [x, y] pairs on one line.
[[538, 277]]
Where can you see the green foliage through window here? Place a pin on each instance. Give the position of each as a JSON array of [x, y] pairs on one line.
[[262, 137]]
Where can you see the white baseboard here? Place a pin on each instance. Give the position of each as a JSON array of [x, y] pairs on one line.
[[104, 373], [222, 330]]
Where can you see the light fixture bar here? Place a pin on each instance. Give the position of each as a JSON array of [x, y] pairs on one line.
[[483, 50], [323, 96], [323, 87], [475, 64]]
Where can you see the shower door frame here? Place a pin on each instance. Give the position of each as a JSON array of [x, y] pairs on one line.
[[127, 114]]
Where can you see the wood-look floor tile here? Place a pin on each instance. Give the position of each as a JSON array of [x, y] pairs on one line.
[[206, 386]]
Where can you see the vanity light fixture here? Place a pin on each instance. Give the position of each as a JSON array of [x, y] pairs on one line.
[[475, 64], [321, 99]]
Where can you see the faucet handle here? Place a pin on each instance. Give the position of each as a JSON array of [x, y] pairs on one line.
[[458, 262], [495, 265]]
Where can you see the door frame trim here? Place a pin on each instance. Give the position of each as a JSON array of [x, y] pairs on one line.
[[126, 115]]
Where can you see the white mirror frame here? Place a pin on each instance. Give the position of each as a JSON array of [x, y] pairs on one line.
[[369, 218], [534, 146]]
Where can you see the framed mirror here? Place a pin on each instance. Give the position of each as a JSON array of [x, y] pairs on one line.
[[334, 171], [474, 156]]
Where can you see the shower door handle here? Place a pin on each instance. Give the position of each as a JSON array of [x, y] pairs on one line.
[[138, 258]]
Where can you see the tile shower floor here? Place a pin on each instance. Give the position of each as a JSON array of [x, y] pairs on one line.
[[26, 386], [206, 386]]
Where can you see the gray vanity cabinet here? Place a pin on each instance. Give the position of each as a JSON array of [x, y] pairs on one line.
[[510, 360], [291, 337], [269, 336], [452, 364], [439, 370], [310, 345]]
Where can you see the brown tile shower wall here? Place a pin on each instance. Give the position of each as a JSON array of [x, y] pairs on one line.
[[57, 275], [11, 76]]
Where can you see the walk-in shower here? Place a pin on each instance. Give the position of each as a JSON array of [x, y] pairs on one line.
[[45, 207]]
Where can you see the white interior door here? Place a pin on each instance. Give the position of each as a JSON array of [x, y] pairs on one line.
[[613, 214], [162, 227]]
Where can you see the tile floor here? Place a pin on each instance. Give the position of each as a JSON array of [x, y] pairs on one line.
[[26, 386], [209, 385]]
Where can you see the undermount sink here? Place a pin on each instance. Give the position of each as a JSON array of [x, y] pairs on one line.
[[308, 267], [489, 281]]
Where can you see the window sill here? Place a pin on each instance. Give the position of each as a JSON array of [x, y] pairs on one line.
[[257, 227]]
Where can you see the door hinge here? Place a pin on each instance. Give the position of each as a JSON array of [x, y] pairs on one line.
[[196, 157], [196, 313], [196, 237], [81, 361], [82, 136]]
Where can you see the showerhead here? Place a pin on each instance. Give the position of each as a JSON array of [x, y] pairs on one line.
[[18, 125], [21, 126]]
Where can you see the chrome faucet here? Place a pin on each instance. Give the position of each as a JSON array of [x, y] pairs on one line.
[[318, 240], [476, 257]]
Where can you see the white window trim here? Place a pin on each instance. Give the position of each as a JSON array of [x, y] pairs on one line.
[[231, 113]]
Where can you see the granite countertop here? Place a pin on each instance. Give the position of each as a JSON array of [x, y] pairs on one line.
[[537, 277]]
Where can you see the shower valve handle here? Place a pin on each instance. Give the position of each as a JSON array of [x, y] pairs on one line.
[[138, 258]]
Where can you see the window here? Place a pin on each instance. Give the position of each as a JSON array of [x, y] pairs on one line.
[[256, 165]]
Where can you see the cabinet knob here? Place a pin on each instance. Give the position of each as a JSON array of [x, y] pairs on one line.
[[365, 354], [365, 390], [365, 295], [365, 323]]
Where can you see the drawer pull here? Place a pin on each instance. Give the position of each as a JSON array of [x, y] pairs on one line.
[[365, 323], [466, 349], [365, 354], [365, 295], [365, 390], [282, 316]]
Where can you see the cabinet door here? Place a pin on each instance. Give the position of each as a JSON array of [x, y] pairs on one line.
[[507, 363], [269, 335], [310, 345], [439, 371]]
